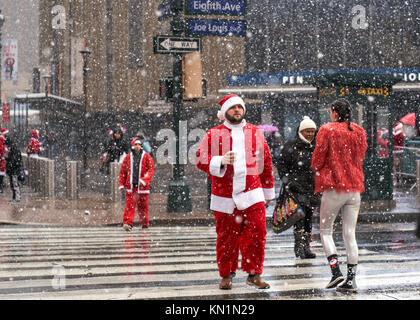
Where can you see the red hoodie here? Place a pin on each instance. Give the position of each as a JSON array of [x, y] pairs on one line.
[[338, 158]]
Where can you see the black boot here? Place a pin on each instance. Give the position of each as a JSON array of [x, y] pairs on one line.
[[302, 244], [299, 243], [337, 276], [350, 284], [307, 236]]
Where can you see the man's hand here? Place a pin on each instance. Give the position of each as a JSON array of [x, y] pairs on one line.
[[229, 158], [267, 202]]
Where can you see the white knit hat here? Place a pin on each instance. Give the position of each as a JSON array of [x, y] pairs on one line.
[[227, 102], [306, 123]]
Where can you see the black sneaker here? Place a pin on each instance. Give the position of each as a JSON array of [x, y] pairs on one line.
[[348, 286], [335, 280]]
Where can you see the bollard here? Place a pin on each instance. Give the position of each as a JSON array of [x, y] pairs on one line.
[[48, 183], [114, 177], [72, 180]]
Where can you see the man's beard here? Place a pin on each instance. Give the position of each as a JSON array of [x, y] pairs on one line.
[[233, 120]]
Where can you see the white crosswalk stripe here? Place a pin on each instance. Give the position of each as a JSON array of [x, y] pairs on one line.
[[178, 263]]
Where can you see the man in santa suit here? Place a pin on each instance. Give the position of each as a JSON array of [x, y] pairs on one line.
[[136, 173], [238, 159]]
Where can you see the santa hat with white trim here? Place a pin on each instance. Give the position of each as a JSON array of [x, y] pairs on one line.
[[134, 142], [4, 131], [227, 102]]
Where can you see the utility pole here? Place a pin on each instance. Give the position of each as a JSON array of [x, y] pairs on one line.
[[85, 54], [179, 191]]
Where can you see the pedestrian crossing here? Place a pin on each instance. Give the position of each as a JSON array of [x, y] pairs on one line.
[[85, 263]]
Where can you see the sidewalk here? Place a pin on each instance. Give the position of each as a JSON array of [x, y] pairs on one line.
[[94, 209]]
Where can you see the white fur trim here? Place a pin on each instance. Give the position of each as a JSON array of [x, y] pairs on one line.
[[239, 166], [244, 200], [214, 167], [269, 193], [228, 104], [222, 204]]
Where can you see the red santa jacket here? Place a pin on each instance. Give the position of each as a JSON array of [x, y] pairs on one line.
[[2, 156], [398, 138], [338, 158], [34, 146], [250, 179], [146, 172]]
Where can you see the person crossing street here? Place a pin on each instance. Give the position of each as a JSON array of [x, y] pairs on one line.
[[136, 175], [238, 159]]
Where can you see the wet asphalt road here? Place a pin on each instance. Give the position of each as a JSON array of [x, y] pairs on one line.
[[179, 263]]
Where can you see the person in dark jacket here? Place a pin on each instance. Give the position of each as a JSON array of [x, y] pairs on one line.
[[116, 147], [294, 168], [14, 167]]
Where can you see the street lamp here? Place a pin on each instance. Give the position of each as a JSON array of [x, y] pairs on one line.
[[46, 79], [85, 54], [2, 19]]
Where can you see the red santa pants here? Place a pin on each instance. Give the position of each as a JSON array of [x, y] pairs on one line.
[[243, 231], [141, 200]]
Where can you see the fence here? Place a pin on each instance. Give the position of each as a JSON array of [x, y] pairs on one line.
[[410, 156]]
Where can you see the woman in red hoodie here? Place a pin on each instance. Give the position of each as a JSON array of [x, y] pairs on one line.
[[338, 165]]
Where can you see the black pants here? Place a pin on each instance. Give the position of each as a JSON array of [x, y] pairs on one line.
[[305, 223], [15, 186]]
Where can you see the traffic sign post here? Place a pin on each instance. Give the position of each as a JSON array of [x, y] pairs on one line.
[[179, 191], [176, 44]]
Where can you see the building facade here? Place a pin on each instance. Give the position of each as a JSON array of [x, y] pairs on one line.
[[123, 71]]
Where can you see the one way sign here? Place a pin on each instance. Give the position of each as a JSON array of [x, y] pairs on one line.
[[170, 44]]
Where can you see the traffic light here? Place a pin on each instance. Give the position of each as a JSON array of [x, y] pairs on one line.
[[177, 5], [192, 80], [166, 88]]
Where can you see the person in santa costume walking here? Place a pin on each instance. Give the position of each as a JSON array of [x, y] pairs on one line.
[[34, 147], [238, 159], [398, 139], [136, 174], [338, 165]]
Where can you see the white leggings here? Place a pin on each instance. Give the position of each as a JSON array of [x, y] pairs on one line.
[[331, 203]]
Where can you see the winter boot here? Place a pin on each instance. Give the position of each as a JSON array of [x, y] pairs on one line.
[[299, 243], [226, 283], [256, 281], [307, 246], [337, 276], [350, 284]]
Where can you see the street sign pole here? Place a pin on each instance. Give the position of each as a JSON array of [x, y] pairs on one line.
[[179, 191]]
